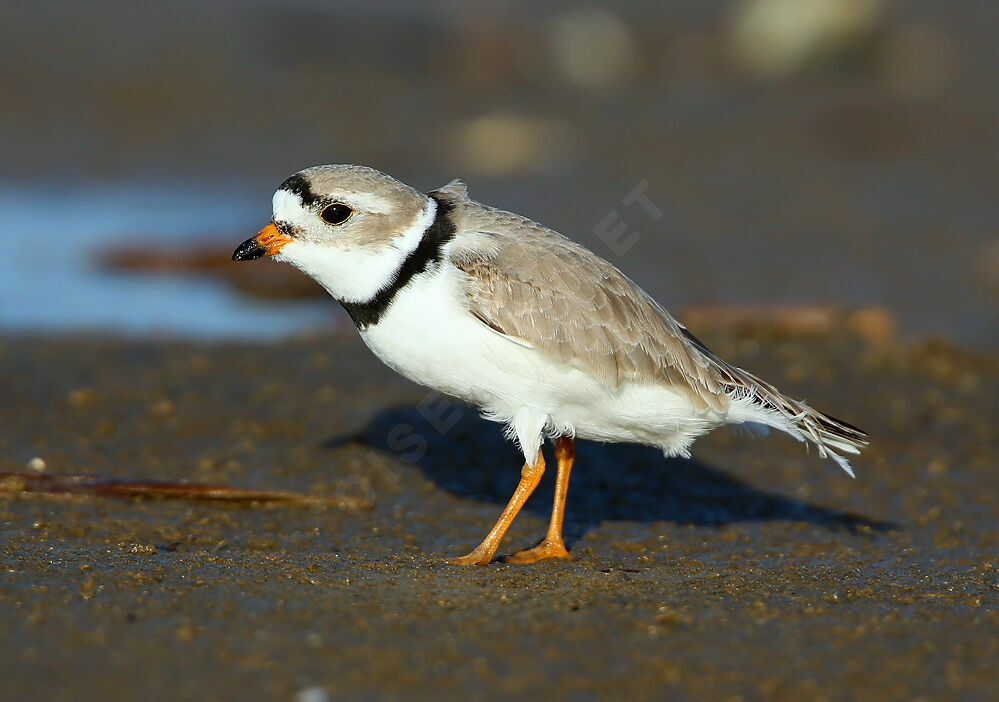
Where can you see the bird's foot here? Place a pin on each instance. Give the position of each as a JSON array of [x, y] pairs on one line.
[[543, 551], [479, 556]]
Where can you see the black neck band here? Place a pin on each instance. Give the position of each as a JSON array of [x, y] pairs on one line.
[[428, 251]]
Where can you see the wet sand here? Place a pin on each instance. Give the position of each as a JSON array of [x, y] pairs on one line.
[[754, 572]]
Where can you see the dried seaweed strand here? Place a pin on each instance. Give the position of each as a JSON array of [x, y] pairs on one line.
[[102, 486]]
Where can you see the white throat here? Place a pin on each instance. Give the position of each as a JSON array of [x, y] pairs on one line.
[[351, 274]]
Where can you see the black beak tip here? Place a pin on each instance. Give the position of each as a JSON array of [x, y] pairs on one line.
[[248, 251]]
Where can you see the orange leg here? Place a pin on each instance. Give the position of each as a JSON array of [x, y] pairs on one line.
[[553, 546], [530, 476]]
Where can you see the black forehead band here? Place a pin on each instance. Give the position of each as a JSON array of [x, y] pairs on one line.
[[299, 185]]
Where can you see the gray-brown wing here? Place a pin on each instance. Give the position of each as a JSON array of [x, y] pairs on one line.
[[546, 291], [558, 297]]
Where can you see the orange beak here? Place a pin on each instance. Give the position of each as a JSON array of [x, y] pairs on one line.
[[267, 242]]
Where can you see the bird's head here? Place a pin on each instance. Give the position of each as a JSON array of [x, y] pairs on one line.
[[345, 226]]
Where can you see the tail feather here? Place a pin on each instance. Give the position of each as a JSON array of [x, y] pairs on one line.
[[755, 400], [767, 405]]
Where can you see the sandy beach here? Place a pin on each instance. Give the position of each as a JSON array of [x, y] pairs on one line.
[[753, 572]]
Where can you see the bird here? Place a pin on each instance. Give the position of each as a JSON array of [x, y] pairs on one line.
[[539, 333]]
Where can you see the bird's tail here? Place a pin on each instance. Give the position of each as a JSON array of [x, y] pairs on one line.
[[755, 400]]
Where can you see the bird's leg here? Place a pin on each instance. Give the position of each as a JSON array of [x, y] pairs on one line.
[[530, 476], [553, 546]]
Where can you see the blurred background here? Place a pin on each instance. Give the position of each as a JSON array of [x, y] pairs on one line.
[[786, 151]]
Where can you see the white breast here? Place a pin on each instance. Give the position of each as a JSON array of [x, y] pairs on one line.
[[428, 336]]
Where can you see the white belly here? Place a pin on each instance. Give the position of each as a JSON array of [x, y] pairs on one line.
[[427, 336]]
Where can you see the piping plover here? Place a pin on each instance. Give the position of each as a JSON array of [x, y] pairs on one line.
[[541, 334]]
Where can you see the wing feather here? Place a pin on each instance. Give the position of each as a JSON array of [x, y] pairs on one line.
[[544, 291], [556, 296]]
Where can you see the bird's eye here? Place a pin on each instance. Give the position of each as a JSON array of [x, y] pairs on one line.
[[336, 213]]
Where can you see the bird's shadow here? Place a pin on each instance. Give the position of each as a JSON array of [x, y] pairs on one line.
[[468, 456]]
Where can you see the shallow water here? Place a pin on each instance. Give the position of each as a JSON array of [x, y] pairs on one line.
[[52, 282]]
